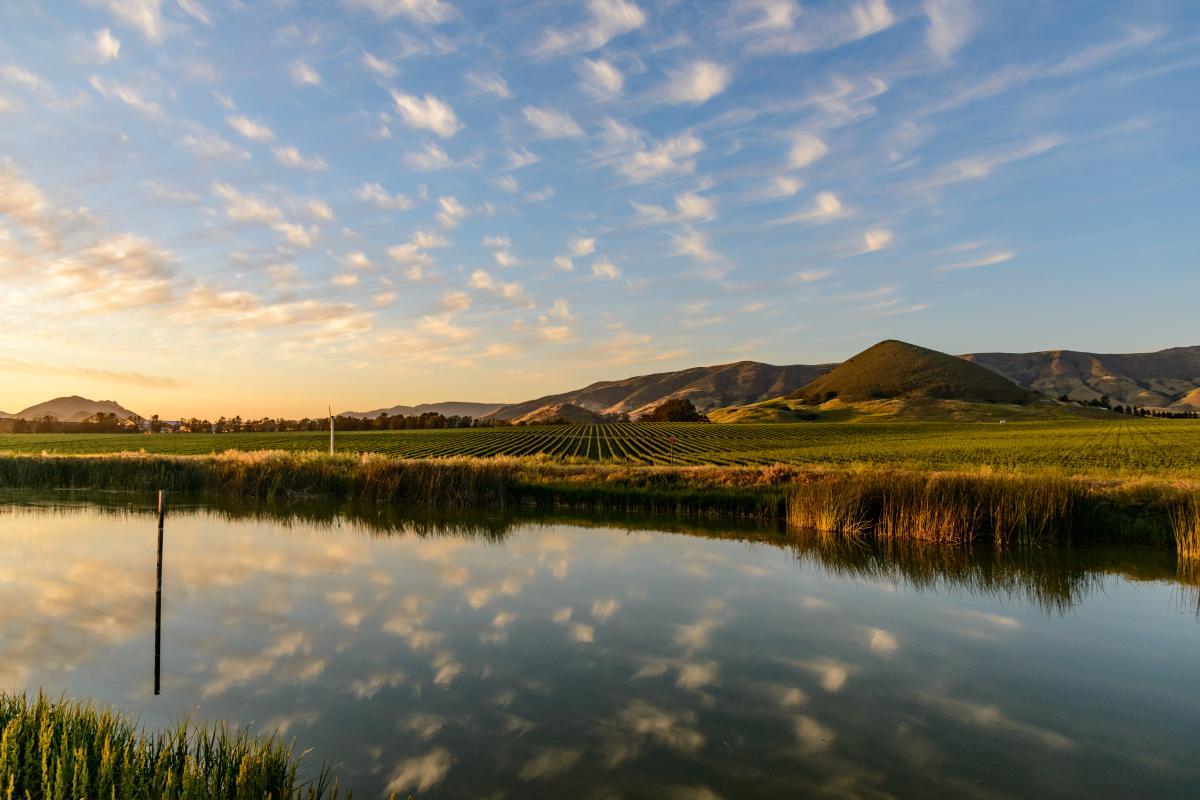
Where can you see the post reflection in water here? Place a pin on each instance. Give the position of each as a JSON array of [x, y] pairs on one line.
[[158, 597], [475, 654]]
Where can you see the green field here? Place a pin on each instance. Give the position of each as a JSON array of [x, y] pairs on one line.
[[1130, 445]]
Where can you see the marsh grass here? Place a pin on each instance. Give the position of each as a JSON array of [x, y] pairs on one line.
[[1185, 524], [1004, 507], [66, 749]]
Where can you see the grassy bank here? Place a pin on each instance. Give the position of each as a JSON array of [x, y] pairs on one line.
[[1036, 508], [63, 749]]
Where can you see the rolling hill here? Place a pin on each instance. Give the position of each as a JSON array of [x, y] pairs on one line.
[[707, 388], [565, 412], [72, 409], [449, 409], [894, 370], [1163, 379]]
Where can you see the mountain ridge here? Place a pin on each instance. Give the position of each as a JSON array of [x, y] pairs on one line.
[[72, 408]]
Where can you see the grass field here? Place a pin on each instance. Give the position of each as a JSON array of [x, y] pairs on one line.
[[1118, 446]]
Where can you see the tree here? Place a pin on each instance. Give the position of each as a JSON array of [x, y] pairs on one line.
[[677, 409]]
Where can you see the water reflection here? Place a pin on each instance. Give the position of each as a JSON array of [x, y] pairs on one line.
[[472, 655]]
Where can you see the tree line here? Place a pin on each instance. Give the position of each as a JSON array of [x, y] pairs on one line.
[[1137, 411]]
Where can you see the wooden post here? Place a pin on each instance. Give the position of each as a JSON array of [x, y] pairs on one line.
[[331, 430], [162, 509]]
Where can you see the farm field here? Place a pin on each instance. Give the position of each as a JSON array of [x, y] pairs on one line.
[[1119, 446]]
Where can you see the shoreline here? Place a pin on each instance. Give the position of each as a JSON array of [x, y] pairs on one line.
[[1021, 507]]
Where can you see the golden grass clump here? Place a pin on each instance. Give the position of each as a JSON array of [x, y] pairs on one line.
[[1185, 524]]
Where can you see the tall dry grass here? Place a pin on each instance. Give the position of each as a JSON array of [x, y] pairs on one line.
[[1185, 524]]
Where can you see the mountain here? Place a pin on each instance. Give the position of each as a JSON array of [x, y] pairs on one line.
[[898, 370], [707, 388], [450, 409], [565, 412], [1162, 379], [73, 409]]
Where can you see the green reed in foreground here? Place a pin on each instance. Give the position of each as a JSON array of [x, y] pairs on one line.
[[66, 749]]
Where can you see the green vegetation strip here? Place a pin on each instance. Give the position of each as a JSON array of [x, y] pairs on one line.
[[65, 749], [1121, 446], [950, 506]]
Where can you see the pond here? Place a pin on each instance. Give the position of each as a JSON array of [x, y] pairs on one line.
[[498, 655]]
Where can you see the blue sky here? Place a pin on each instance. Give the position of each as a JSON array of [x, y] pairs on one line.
[[261, 208]]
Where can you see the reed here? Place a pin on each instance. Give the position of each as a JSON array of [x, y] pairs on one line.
[[1185, 524], [66, 749], [1003, 507]]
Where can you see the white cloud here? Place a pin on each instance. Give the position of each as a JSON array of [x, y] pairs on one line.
[[600, 78], [424, 772], [508, 183], [291, 157], [693, 243], [518, 159], [950, 25], [318, 209], [344, 279], [144, 15], [875, 240], [489, 83], [378, 196], [825, 208], [424, 11], [194, 10], [696, 83], [111, 90], [777, 188], [689, 207], [882, 642], [357, 260], [564, 263], [984, 261], [382, 299], [295, 234], [805, 149], [609, 19], [428, 113], [581, 246], [646, 161], [455, 300], [206, 144], [246, 207], [603, 268], [253, 130], [550, 123], [382, 68], [813, 275], [505, 259], [978, 167], [429, 159], [107, 46], [304, 75], [452, 212], [497, 241], [480, 279], [780, 27]]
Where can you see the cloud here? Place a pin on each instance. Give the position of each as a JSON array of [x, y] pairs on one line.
[[144, 15], [609, 19], [693, 243], [805, 150], [423, 772], [381, 67], [780, 27], [344, 279], [984, 261], [696, 83], [452, 212], [881, 642], [641, 160], [489, 83], [429, 159], [603, 268], [111, 90], [429, 12], [549, 762], [483, 281], [550, 123], [107, 46], [600, 78], [777, 188], [518, 159], [246, 207], [208, 145], [812, 275], [253, 130], [979, 167], [564, 263], [825, 208], [581, 246], [428, 113], [455, 300], [304, 75], [8, 364], [951, 23], [508, 183], [875, 240], [291, 157], [194, 10], [122, 271], [378, 196]]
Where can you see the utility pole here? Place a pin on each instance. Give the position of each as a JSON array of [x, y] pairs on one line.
[[330, 430]]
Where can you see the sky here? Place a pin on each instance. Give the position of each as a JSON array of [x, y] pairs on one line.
[[265, 208]]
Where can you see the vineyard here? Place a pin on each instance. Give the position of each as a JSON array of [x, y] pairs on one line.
[[1120, 445]]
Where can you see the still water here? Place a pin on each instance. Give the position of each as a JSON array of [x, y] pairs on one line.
[[483, 656]]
